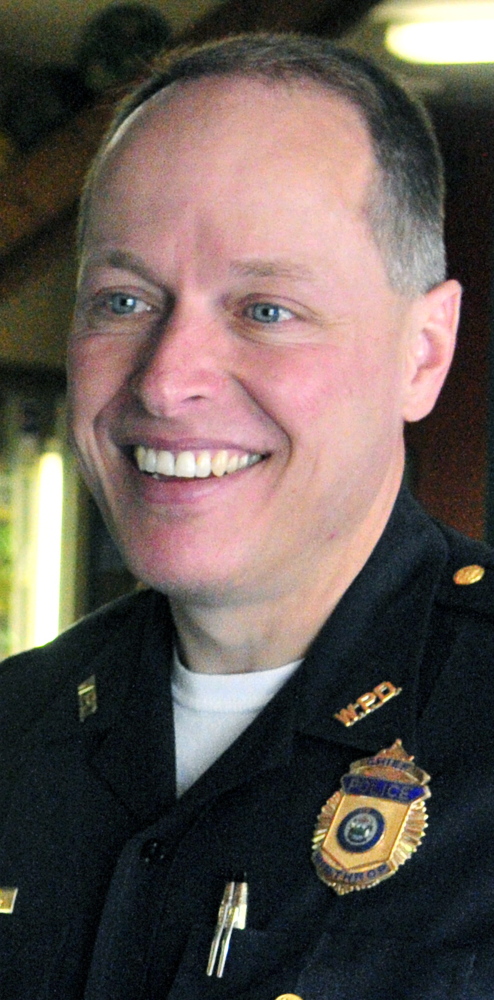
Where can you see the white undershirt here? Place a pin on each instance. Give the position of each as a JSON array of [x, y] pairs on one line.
[[211, 710]]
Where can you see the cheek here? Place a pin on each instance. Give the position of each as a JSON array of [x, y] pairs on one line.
[[374, 374], [96, 372], [319, 386], [335, 400], [296, 385]]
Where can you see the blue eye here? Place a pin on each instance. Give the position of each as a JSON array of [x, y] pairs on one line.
[[126, 305], [266, 312]]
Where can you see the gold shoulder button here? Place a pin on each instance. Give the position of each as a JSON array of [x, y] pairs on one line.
[[468, 574], [7, 900], [288, 996]]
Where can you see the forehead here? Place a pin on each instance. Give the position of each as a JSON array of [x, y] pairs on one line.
[[231, 169], [237, 125]]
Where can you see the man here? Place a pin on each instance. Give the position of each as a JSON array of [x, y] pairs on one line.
[[219, 786]]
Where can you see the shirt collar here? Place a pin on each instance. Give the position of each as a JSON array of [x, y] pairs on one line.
[[377, 634]]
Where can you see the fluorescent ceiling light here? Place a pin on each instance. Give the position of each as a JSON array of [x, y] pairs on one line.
[[439, 33], [48, 548], [440, 43]]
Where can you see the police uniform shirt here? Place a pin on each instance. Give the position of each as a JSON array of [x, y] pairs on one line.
[[119, 883]]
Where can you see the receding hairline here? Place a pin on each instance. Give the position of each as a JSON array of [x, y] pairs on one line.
[[406, 195], [157, 104], [162, 98]]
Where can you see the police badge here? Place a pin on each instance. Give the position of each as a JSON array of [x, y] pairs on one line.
[[373, 825]]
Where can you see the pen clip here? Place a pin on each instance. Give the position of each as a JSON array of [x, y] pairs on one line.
[[232, 914], [220, 925]]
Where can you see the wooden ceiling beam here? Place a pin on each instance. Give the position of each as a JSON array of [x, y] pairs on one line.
[[48, 182], [328, 17], [236, 16]]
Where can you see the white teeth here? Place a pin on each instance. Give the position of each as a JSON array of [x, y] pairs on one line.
[[191, 465], [185, 465], [219, 463], [150, 460], [203, 464], [140, 457], [165, 463]]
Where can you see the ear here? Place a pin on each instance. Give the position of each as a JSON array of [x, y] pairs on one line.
[[431, 347]]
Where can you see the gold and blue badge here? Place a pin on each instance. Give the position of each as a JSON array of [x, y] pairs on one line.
[[373, 824]]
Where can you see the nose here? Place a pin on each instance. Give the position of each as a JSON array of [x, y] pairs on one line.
[[182, 364]]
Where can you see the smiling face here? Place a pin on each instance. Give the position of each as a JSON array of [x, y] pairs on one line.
[[239, 367]]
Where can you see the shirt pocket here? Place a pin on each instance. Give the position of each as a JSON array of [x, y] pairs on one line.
[[258, 965], [375, 967]]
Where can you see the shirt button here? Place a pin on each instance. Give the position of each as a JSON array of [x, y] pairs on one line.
[[153, 852]]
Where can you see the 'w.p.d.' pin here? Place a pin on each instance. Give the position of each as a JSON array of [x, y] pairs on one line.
[[373, 824]]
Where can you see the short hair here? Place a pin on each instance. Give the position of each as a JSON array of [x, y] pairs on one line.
[[405, 205]]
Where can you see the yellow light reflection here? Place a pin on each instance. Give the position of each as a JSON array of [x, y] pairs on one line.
[[410, 12], [443, 42], [48, 548]]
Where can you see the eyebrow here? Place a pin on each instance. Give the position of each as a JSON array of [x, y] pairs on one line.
[[123, 260], [254, 268], [258, 268]]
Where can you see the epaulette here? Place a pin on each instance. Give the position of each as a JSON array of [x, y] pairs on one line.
[[468, 577]]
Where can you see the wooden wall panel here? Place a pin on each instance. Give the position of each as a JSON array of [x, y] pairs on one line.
[[450, 446]]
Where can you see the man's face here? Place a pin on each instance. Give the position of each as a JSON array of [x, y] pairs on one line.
[[234, 310]]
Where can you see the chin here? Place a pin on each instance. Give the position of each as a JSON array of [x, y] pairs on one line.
[[181, 578]]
